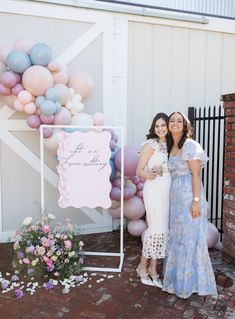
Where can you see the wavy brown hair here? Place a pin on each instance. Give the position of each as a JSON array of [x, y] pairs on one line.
[[187, 132]]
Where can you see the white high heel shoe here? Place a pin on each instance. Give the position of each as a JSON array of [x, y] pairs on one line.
[[144, 278], [156, 280]]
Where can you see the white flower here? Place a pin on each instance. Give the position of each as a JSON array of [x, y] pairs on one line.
[[51, 216], [81, 243], [27, 221]]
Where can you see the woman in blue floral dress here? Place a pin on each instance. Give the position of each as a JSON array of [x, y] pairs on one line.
[[187, 267]]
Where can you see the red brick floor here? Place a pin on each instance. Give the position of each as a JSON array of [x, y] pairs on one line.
[[119, 297]]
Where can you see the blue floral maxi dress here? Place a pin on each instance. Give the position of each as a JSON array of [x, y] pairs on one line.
[[187, 267]]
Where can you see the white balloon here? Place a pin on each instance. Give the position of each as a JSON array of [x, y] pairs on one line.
[[82, 119], [52, 143]]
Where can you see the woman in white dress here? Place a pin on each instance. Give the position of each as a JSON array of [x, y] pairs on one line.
[[152, 166]]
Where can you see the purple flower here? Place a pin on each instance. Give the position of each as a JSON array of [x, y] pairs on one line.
[[20, 255], [14, 278], [30, 271], [19, 293], [50, 268], [5, 284], [81, 261], [79, 278], [48, 285]]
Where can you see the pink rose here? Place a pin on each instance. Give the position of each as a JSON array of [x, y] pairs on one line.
[[46, 228], [68, 244]]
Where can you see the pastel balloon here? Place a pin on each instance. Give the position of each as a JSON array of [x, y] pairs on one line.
[[39, 100], [212, 235], [77, 108], [113, 170], [3, 67], [115, 212], [54, 66], [47, 119], [48, 107], [115, 193], [64, 93], [18, 106], [8, 79], [52, 94], [18, 61], [135, 180], [52, 143], [98, 119], [61, 76], [24, 97], [40, 54], [81, 82], [24, 44], [112, 145], [33, 121], [117, 181], [140, 186], [62, 117], [115, 137], [136, 227], [139, 194], [82, 119], [131, 158], [37, 79], [134, 208], [114, 151], [129, 184], [115, 204], [4, 90], [47, 132], [128, 193], [4, 51], [30, 108], [17, 89]]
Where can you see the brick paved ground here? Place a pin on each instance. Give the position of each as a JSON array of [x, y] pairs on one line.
[[122, 296]]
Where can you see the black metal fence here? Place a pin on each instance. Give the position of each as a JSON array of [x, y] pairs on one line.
[[208, 125]]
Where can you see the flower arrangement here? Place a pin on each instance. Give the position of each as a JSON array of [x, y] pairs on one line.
[[46, 249]]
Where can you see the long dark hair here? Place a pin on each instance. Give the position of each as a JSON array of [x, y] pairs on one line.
[[187, 132], [158, 116]]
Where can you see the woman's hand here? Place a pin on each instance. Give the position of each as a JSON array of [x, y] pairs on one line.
[[151, 174], [195, 209]]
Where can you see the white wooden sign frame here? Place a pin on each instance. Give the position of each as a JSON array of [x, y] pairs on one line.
[[120, 254]]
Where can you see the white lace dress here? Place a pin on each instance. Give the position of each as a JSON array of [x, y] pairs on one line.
[[156, 200]]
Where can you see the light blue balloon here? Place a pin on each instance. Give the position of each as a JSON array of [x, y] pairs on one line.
[[48, 107], [52, 94], [58, 106], [114, 152], [40, 54], [39, 100], [69, 130], [113, 170], [18, 61]]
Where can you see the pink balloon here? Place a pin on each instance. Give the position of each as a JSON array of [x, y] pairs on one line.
[[54, 66], [115, 193], [117, 181], [136, 227], [61, 77], [33, 121], [4, 51], [47, 119], [140, 186], [128, 192], [24, 44], [47, 132], [37, 79], [24, 97], [8, 79], [134, 208], [115, 212], [139, 194], [30, 108], [18, 106], [135, 180], [98, 119], [17, 89], [81, 82], [212, 235], [4, 90], [131, 158], [62, 117]]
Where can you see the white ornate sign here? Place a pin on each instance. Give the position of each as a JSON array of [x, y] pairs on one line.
[[84, 169]]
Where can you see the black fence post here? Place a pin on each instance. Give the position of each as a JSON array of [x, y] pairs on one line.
[[191, 117]]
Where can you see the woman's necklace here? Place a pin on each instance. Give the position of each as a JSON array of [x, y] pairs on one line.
[[162, 146]]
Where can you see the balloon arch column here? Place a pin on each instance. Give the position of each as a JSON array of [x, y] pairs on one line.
[[80, 168]]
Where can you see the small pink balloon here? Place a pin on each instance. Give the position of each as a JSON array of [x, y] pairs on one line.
[[30, 108], [140, 186], [24, 97], [4, 90], [47, 119], [117, 181], [61, 77], [81, 82], [115, 193], [63, 117], [128, 192], [47, 132], [135, 180], [18, 77], [10, 100], [54, 66], [33, 121], [115, 212], [8, 79], [98, 119], [17, 89], [18, 106], [24, 44], [131, 158], [134, 208], [139, 194], [4, 51], [136, 227]]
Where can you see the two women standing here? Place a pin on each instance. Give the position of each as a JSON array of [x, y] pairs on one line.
[[187, 266]]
